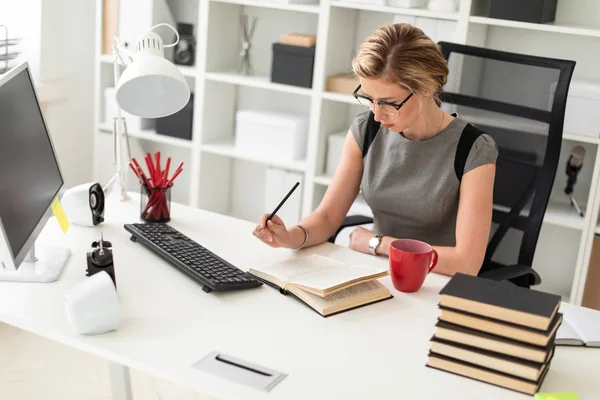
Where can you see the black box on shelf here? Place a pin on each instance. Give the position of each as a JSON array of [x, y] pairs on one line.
[[178, 125], [292, 65], [537, 11]]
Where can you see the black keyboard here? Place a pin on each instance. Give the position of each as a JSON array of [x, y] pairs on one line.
[[199, 263]]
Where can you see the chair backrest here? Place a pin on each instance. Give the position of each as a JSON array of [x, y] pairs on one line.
[[520, 101]]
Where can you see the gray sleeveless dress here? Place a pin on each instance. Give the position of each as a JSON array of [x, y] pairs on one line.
[[411, 186]]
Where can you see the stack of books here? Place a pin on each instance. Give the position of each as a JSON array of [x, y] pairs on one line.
[[495, 332]]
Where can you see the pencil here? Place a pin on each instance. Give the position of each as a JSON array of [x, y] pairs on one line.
[[282, 202]]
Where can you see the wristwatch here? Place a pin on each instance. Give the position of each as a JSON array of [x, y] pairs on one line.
[[374, 242]]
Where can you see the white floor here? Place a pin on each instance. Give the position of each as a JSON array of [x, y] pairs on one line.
[[32, 368]]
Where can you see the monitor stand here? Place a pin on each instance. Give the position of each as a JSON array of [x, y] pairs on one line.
[[45, 266]]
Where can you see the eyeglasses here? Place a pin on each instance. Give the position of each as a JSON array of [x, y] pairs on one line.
[[388, 108]]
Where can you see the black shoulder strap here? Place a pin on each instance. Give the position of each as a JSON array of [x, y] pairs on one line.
[[468, 137], [370, 132]]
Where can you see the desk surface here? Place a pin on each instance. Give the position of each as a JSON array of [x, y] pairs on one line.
[[169, 323]]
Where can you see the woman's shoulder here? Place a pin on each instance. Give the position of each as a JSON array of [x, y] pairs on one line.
[[483, 151], [359, 126]]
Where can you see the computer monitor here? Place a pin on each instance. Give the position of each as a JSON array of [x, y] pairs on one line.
[[30, 179]]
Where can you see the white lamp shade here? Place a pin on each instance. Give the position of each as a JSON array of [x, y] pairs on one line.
[[152, 87]]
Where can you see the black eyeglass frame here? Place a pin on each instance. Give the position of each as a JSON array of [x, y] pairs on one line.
[[397, 106]]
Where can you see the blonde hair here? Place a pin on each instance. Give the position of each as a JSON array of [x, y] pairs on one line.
[[404, 55]]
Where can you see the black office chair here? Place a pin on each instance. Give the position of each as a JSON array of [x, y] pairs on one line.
[[520, 101]]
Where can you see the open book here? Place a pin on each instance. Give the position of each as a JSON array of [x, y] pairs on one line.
[[580, 326], [326, 285]]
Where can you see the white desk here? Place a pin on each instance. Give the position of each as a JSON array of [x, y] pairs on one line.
[[169, 323]]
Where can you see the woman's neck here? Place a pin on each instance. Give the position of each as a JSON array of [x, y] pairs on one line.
[[431, 121]]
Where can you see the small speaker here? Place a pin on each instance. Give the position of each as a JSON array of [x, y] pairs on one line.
[[92, 306], [185, 48], [84, 204]]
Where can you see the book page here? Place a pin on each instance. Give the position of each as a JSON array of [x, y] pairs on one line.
[[585, 321], [296, 268], [346, 298], [328, 279], [352, 291], [316, 271], [566, 334]]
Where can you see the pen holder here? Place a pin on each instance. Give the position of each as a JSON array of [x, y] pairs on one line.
[[155, 203]]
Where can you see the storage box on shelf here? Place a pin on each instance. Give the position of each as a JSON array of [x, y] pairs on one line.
[[583, 103], [541, 11], [178, 125], [293, 65], [277, 136], [344, 83]]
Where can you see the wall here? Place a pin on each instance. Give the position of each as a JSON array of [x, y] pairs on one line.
[[68, 56], [58, 45]]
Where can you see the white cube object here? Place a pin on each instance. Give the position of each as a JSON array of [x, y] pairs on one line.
[[92, 306], [407, 3], [134, 123], [335, 144], [583, 105], [273, 135]]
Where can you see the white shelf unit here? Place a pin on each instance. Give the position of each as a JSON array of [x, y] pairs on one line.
[[222, 179]]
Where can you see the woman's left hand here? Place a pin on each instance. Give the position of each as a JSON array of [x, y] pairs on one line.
[[359, 239]]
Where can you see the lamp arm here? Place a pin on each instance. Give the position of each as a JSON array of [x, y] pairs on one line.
[[121, 57], [121, 54]]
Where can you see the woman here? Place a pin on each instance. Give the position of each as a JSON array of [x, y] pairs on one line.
[[407, 176]]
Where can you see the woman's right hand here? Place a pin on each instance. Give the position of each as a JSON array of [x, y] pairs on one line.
[[273, 232]]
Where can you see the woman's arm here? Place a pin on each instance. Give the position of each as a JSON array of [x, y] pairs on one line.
[[473, 226], [330, 213]]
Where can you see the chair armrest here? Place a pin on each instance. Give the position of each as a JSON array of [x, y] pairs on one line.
[[351, 220], [512, 272]]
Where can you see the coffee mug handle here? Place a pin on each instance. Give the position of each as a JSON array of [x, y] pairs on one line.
[[434, 260]]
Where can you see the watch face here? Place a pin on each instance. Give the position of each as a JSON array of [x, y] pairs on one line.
[[373, 241]]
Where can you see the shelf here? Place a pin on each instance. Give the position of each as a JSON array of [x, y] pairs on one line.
[[562, 214], [581, 138], [262, 82], [306, 8], [227, 148], [565, 29], [152, 136], [418, 12], [343, 98], [185, 70], [597, 230], [559, 214], [525, 125], [324, 180]]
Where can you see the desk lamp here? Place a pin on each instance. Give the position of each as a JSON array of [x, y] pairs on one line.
[[149, 87]]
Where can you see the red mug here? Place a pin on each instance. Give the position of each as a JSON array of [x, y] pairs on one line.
[[410, 262]]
